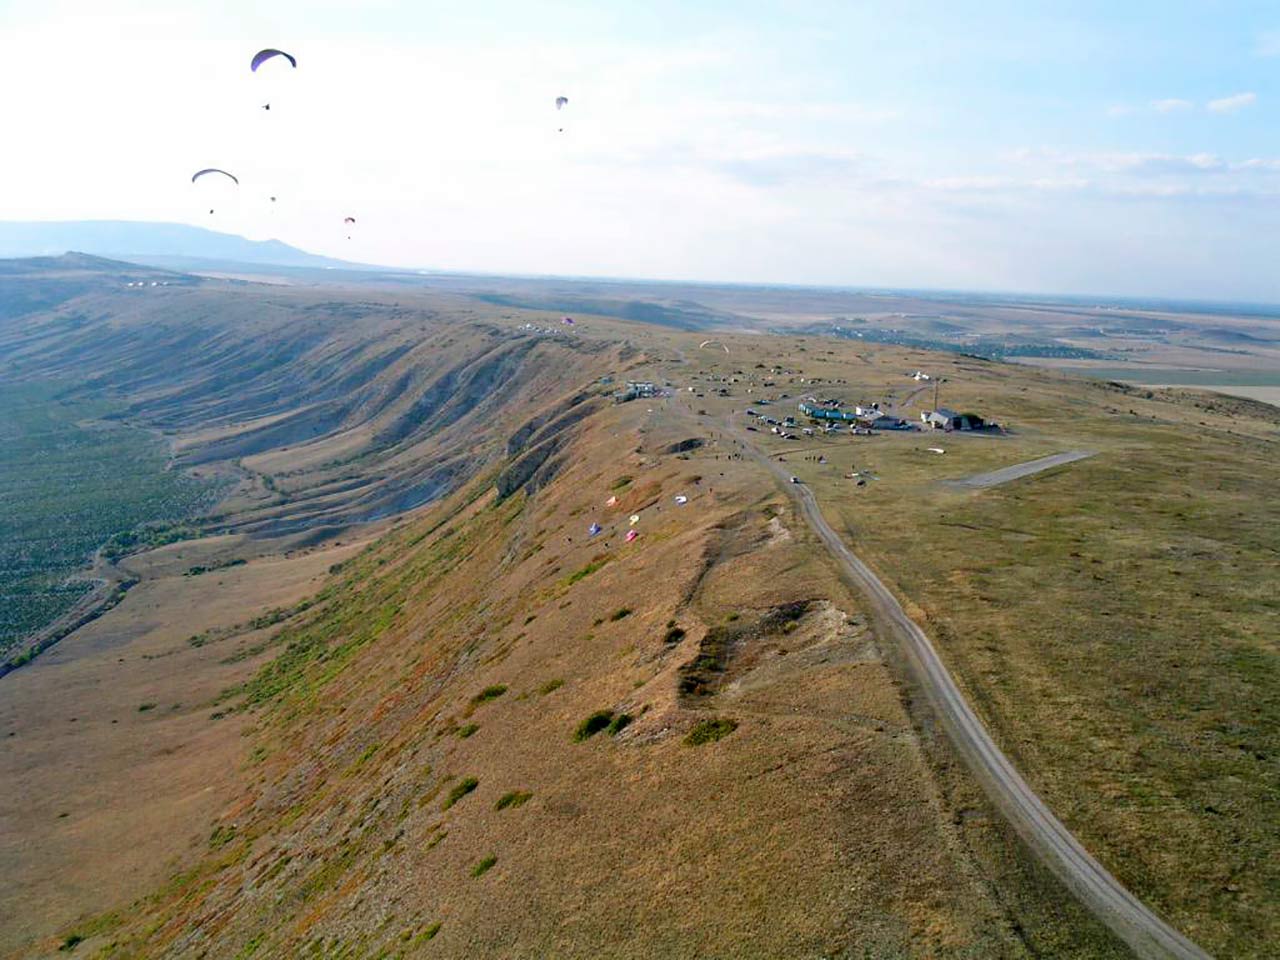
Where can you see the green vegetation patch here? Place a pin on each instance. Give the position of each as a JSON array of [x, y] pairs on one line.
[[489, 693], [459, 791], [621, 482], [200, 569], [588, 570], [484, 866], [620, 613], [551, 686], [468, 730], [592, 725], [709, 731], [428, 933], [516, 798], [619, 723], [68, 483]]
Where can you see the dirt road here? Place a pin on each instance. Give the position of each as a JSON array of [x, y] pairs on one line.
[[1018, 470], [1098, 890]]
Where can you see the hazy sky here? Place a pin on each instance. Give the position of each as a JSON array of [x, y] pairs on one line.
[[1075, 147]]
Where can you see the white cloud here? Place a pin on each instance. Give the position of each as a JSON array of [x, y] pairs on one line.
[[1232, 104], [1171, 105]]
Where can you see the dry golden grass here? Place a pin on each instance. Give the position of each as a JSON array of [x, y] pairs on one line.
[[816, 827], [101, 799], [1112, 620]]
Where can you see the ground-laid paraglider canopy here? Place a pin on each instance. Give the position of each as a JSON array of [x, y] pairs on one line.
[[262, 56]]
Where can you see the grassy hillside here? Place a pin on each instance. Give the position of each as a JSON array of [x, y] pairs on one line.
[[489, 732], [1113, 620], [494, 735]]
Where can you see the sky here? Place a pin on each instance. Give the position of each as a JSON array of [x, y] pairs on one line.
[[1085, 147]]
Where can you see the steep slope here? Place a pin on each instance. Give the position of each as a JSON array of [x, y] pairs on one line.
[[493, 734], [376, 402]]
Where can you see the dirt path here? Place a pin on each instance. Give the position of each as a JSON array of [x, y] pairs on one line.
[[1019, 470], [1146, 934]]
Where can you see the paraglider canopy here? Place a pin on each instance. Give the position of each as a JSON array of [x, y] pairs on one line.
[[631, 535], [681, 499], [611, 502], [560, 102], [593, 529], [207, 170], [348, 219], [635, 518], [262, 56]]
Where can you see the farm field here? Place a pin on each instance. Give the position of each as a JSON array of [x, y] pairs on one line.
[[69, 482]]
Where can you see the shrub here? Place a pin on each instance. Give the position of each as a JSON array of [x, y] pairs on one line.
[[144, 707], [619, 723], [621, 482], [460, 791], [589, 727], [709, 731], [620, 613], [588, 570], [673, 635], [468, 730], [516, 798], [483, 867], [489, 693], [551, 686], [428, 933]]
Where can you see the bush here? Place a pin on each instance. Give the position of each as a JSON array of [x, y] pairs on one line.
[[428, 933], [468, 730], [483, 867], [620, 613], [460, 791], [516, 798], [489, 693], [587, 571], [619, 723], [551, 686], [144, 707], [674, 635], [589, 727], [621, 482], [709, 731]]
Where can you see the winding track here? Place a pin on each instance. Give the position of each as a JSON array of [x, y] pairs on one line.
[[1145, 933]]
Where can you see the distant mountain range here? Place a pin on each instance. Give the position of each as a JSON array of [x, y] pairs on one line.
[[158, 243]]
